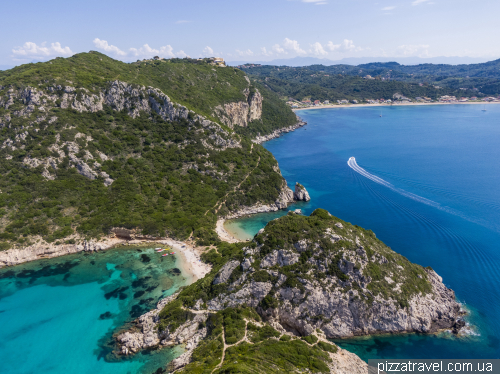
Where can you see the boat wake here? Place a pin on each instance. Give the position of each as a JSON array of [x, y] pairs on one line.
[[358, 169]]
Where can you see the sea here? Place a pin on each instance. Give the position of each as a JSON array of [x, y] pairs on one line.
[[426, 180], [59, 315]]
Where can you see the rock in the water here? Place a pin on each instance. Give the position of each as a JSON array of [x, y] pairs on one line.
[[301, 193]]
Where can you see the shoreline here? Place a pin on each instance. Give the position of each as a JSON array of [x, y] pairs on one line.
[[189, 254], [387, 105], [277, 133]]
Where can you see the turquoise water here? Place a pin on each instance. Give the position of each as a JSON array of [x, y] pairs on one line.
[[59, 315], [246, 227], [437, 202]]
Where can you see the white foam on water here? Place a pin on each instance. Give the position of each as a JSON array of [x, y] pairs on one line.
[[358, 169]]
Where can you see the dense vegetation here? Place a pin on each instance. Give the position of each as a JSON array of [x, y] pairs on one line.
[[289, 229], [167, 181], [252, 345], [339, 82]]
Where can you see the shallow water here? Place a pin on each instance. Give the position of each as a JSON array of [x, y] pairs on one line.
[[58, 315], [438, 203]]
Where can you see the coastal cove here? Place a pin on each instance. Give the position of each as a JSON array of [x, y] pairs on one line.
[[80, 300], [437, 204]]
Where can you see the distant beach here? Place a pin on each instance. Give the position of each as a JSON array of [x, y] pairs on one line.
[[388, 105]]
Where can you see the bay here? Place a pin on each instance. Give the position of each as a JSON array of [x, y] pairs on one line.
[[438, 203], [59, 315]]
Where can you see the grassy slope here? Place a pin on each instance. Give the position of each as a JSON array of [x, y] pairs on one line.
[[153, 190]]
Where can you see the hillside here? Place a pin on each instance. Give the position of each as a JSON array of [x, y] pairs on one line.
[[273, 302], [89, 143], [339, 82]]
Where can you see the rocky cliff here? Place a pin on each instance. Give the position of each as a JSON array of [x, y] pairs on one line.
[[241, 113], [118, 95], [317, 272]]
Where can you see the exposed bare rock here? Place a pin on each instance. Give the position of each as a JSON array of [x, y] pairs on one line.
[[301, 193], [345, 362], [225, 272], [336, 284], [255, 107], [277, 133], [241, 113]]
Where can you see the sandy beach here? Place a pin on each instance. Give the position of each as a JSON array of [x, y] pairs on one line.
[[388, 105], [224, 235], [190, 257]]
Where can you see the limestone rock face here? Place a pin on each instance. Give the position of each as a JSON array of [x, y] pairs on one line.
[[145, 334], [285, 197], [120, 96], [241, 113], [255, 108], [37, 251], [300, 193], [277, 133], [225, 272], [281, 258], [336, 284]]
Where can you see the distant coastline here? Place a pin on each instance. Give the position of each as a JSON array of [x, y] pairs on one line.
[[390, 105]]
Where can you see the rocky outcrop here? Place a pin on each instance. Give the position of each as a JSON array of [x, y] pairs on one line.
[[225, 272], [334, 293], [285, 197], [300, 193], [277, 133], [241, 113], [345, 362], [145, 333], [48, 250], [120, 96]]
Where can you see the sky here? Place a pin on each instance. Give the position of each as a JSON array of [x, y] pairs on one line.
[[251, 30]]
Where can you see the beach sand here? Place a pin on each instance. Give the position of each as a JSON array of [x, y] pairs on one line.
[[225, 235], [386, 105], [190, 258]]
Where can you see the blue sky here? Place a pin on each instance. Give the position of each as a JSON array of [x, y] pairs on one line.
[[249, 30]]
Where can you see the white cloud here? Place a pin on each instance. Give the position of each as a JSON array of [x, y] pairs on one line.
[[346, 46], [279, 50], [265, 52], [248, 52], [387, 8], [32, 50], [318, 49], [103, 44], [418, 2], [207, 51], [182, 21], [420, 50], [139, 53], [293, 45], [147, 52]]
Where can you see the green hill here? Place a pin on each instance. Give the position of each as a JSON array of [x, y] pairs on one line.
[[89, 143]]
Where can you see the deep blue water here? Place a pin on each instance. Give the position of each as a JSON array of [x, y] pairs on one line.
[[448, 155], [58, 316]]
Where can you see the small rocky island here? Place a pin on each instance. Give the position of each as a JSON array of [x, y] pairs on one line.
[[311, 278]]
